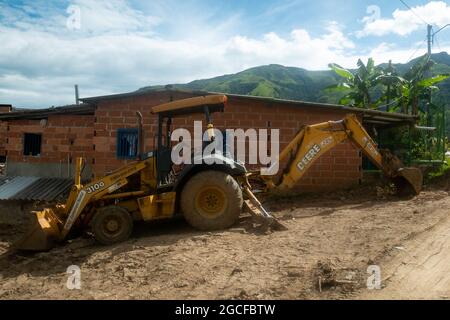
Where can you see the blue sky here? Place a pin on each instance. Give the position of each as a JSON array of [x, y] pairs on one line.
[[117, 46]]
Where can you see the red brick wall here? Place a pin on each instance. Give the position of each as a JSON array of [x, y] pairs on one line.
[[94, 137], [3, 137], [63, 137], [338, 168], [121, 113]]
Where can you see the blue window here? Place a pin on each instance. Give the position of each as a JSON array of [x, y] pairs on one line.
[[127, 143]]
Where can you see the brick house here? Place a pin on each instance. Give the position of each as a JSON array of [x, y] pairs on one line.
[[4, 108], [103, 130]]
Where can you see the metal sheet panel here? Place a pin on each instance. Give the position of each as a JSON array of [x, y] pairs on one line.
[[47, 189], [4, 180], [34, 188], [14, 186]]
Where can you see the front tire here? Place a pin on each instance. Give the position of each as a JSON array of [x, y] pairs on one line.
[[112, 224], [211, 200]]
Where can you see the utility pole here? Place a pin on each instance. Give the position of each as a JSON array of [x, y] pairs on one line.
[[430, 37], [430, 40], [388, 98], [431, 34], [430, 43], [77, 97]]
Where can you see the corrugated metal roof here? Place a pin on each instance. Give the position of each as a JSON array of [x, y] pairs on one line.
[[82, 109], [4, 180], [15, 185], [34, 188]]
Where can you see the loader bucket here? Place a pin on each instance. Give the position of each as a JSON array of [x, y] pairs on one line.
[[408, 181], [41, 236]]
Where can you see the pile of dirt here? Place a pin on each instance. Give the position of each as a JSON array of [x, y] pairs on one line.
[[15, 218], [331, 275]]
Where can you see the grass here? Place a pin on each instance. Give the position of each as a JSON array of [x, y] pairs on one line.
[[440, 172]]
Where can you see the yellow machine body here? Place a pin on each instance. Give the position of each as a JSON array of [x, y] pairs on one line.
[[157, 206]]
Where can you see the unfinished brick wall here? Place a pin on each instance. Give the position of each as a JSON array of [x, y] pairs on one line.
[[338, 168], [112, 115], [64, 137], [94, 137], [3, 137]]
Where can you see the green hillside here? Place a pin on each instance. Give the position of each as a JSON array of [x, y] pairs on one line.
[[297, 84]]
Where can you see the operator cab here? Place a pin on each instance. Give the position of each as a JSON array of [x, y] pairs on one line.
[[166, 112]]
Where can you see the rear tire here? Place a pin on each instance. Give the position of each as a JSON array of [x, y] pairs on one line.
[[211, 200], [112, 224]]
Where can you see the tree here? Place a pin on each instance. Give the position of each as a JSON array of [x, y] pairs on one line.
[[413, 87], [356, 87], [398, 93], [391, 82]]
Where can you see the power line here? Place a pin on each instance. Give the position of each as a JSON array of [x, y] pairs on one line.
[[410, 9], [389, 104], [437, 42], [418, 48], [430, 34]]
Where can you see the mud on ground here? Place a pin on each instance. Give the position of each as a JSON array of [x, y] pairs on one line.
[[331, 240]]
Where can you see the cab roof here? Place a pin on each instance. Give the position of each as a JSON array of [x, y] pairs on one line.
[[215, 103]]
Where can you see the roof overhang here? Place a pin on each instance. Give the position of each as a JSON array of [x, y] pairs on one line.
[[214, 103], [373, 117], [82, 109]]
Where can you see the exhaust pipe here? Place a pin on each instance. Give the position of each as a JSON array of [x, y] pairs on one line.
[[140, 121]]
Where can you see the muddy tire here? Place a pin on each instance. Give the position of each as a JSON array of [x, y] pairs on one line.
[[211, 200], [112, 224]]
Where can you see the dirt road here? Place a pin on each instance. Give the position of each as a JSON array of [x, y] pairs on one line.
[[333, 238], [420, 269]]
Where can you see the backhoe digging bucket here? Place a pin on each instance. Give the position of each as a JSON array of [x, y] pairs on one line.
[[43, 233], [408, 181], [267, 221], [260, 214]]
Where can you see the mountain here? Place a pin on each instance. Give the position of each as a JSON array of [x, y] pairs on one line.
[[296, 83], [268, 81]]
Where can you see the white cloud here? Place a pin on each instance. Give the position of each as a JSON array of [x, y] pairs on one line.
[[299, 49], [95, 17], [112, 16], [404, 22], [41, 60]]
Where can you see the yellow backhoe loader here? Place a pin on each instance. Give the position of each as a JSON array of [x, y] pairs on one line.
[[210, 196]]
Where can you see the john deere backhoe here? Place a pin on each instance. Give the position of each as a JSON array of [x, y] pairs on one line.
[[210, 196]]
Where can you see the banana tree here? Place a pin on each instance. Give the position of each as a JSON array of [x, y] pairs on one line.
[[393, 84], [407, 92], [356, 87]]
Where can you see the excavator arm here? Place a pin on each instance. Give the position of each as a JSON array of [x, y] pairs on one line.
[[315, 140]]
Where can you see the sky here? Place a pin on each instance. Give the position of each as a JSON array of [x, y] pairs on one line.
[[116, 46]]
